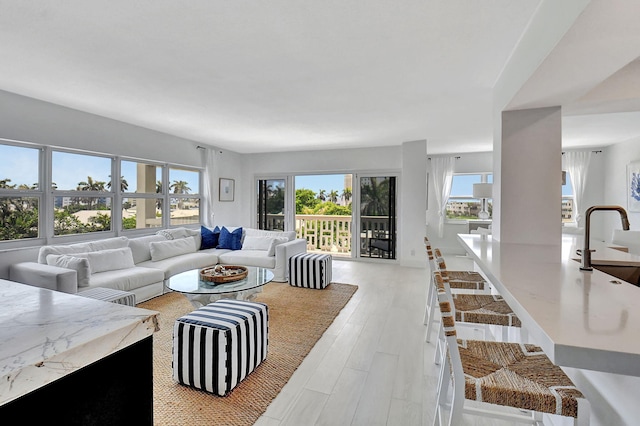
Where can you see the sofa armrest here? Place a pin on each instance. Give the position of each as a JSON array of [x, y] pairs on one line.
[[284, 252], [45, 276]]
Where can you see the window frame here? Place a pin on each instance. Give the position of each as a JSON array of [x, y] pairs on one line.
[[46, 195], [484, 178]]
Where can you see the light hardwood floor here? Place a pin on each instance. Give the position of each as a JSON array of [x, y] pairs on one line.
[[372, 366]]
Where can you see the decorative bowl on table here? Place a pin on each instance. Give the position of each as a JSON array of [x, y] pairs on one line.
[[220, 274]]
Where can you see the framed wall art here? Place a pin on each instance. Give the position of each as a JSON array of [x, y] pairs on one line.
[[633, 186], [227, 188]]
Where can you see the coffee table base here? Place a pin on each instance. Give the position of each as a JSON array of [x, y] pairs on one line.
[[199, 300]]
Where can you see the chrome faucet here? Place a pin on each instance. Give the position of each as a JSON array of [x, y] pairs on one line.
[[585, 265]]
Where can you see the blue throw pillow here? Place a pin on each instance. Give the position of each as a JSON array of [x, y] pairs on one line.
[[209, 237], [231, 240]]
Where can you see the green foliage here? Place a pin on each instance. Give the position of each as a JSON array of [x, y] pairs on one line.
[[306, 201], [18, 219], [330, 208], [129, 223]]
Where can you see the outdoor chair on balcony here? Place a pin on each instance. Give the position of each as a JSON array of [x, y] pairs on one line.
[[497, 375]]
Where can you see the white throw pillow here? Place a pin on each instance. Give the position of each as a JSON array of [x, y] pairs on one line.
[[165, 249], [140, 247], [109, 260], [276, 242], [257, 243], [79, 264]]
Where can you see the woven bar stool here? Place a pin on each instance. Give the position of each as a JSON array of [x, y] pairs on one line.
[[466, 280], [497, 373], [487, 309]]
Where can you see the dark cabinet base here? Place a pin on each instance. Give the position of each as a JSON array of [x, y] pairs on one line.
[[115, 390]]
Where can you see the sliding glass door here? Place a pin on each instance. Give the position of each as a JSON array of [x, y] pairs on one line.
[[272, 204], [377, 202]]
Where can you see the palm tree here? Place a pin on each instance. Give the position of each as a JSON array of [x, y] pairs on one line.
[[322, 195], [374, 197], [346, 194], [124, 185], [4, 183], [180, 187], [333, 196], [91, 185]]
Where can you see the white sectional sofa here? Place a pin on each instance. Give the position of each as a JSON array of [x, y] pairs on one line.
[[142, 265]]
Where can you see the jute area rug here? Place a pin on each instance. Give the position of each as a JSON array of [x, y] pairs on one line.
[[297, 319]]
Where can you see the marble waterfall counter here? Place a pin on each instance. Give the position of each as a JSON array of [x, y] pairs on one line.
[[583, 320], [48, 335]]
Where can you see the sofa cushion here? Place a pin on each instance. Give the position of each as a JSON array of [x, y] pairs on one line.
[[165, 249], [174, 265], [210, 237], [274, 243], [109, 243], [252, 232], [78, 264], [140, 247], [248, 257], [109, 260], [127, 279], [231, 240], [256, 243]]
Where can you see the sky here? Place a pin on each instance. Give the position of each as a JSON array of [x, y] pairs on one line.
[[318, 182], [70, 169]]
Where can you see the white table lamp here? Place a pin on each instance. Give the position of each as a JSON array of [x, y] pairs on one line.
[[483, 191]]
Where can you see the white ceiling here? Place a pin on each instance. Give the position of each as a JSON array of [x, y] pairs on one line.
[[256, 76]]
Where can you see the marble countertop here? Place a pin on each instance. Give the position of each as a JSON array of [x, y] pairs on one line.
[[47, 334], [587, 320]]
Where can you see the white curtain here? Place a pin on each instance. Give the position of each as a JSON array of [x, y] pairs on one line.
[[208, 156], [576, 163], [442, 172]]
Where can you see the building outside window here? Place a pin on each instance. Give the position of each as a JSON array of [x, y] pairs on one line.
[[142, 195]]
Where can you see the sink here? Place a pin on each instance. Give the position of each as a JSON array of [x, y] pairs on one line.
[[630, 274]]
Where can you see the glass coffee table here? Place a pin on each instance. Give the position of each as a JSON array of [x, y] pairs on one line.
[[201, 292]]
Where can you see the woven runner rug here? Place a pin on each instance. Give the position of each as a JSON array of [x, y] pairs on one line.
[[297, 319]]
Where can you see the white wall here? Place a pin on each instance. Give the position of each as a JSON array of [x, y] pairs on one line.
[[408, 160], [616, 159], [30, 120]]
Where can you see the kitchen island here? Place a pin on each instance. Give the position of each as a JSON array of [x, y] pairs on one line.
[[583, 320], [67, 359]]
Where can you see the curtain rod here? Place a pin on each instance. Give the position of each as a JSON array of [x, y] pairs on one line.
[[457, 158], [595, 152]]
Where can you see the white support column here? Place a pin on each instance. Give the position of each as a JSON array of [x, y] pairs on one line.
[[412, 204], [527, 188]]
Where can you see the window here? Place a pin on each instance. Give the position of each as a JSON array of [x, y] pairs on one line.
[[141, 185], [461, 204], [184, 190], [82, 200], [567, 199], [20, 196], [47, 192]]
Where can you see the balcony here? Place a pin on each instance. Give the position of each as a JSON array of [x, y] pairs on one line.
[[332, 234]]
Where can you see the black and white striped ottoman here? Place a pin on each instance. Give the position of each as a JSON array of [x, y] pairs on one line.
[[216, 346], [310, 270]]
